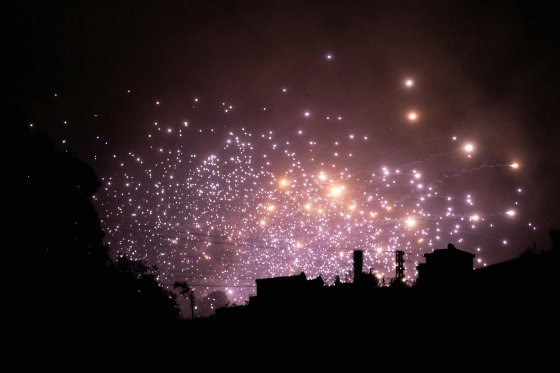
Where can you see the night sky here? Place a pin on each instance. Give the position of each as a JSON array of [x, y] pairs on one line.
[[239, 140]]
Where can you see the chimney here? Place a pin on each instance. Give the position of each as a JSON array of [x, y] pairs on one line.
[[399, 265], [358, 265]]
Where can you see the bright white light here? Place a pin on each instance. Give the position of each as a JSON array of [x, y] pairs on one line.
[[412, 116], [468, 148], [336, 191], [410, 222]]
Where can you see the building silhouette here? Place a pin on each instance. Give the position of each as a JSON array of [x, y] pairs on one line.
[[448, 291], [448, 267]]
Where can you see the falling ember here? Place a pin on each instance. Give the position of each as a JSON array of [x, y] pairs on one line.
[[412, 116], [514, 165], [409, 83]]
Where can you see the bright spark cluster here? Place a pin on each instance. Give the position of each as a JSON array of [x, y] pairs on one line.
[[257, 204], [262, 205]]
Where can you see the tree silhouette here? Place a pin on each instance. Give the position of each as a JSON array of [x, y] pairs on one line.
[[64, 252], [187, 292], [215, 299]]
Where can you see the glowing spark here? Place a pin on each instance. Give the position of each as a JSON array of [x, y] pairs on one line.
[[336, 191], [412, 116], [410, 222]]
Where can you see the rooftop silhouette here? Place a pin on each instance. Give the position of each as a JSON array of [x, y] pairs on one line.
[[447, 285]]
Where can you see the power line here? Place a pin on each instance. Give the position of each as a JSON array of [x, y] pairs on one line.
[[235, 244], [217, 278], [213, 285]]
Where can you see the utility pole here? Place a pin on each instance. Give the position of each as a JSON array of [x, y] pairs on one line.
[[191, 296]]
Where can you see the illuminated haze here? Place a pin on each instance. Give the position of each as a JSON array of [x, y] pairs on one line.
[[238, 141]]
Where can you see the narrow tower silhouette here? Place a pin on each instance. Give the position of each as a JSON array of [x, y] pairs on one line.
[[358, 265], [399, 268]]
